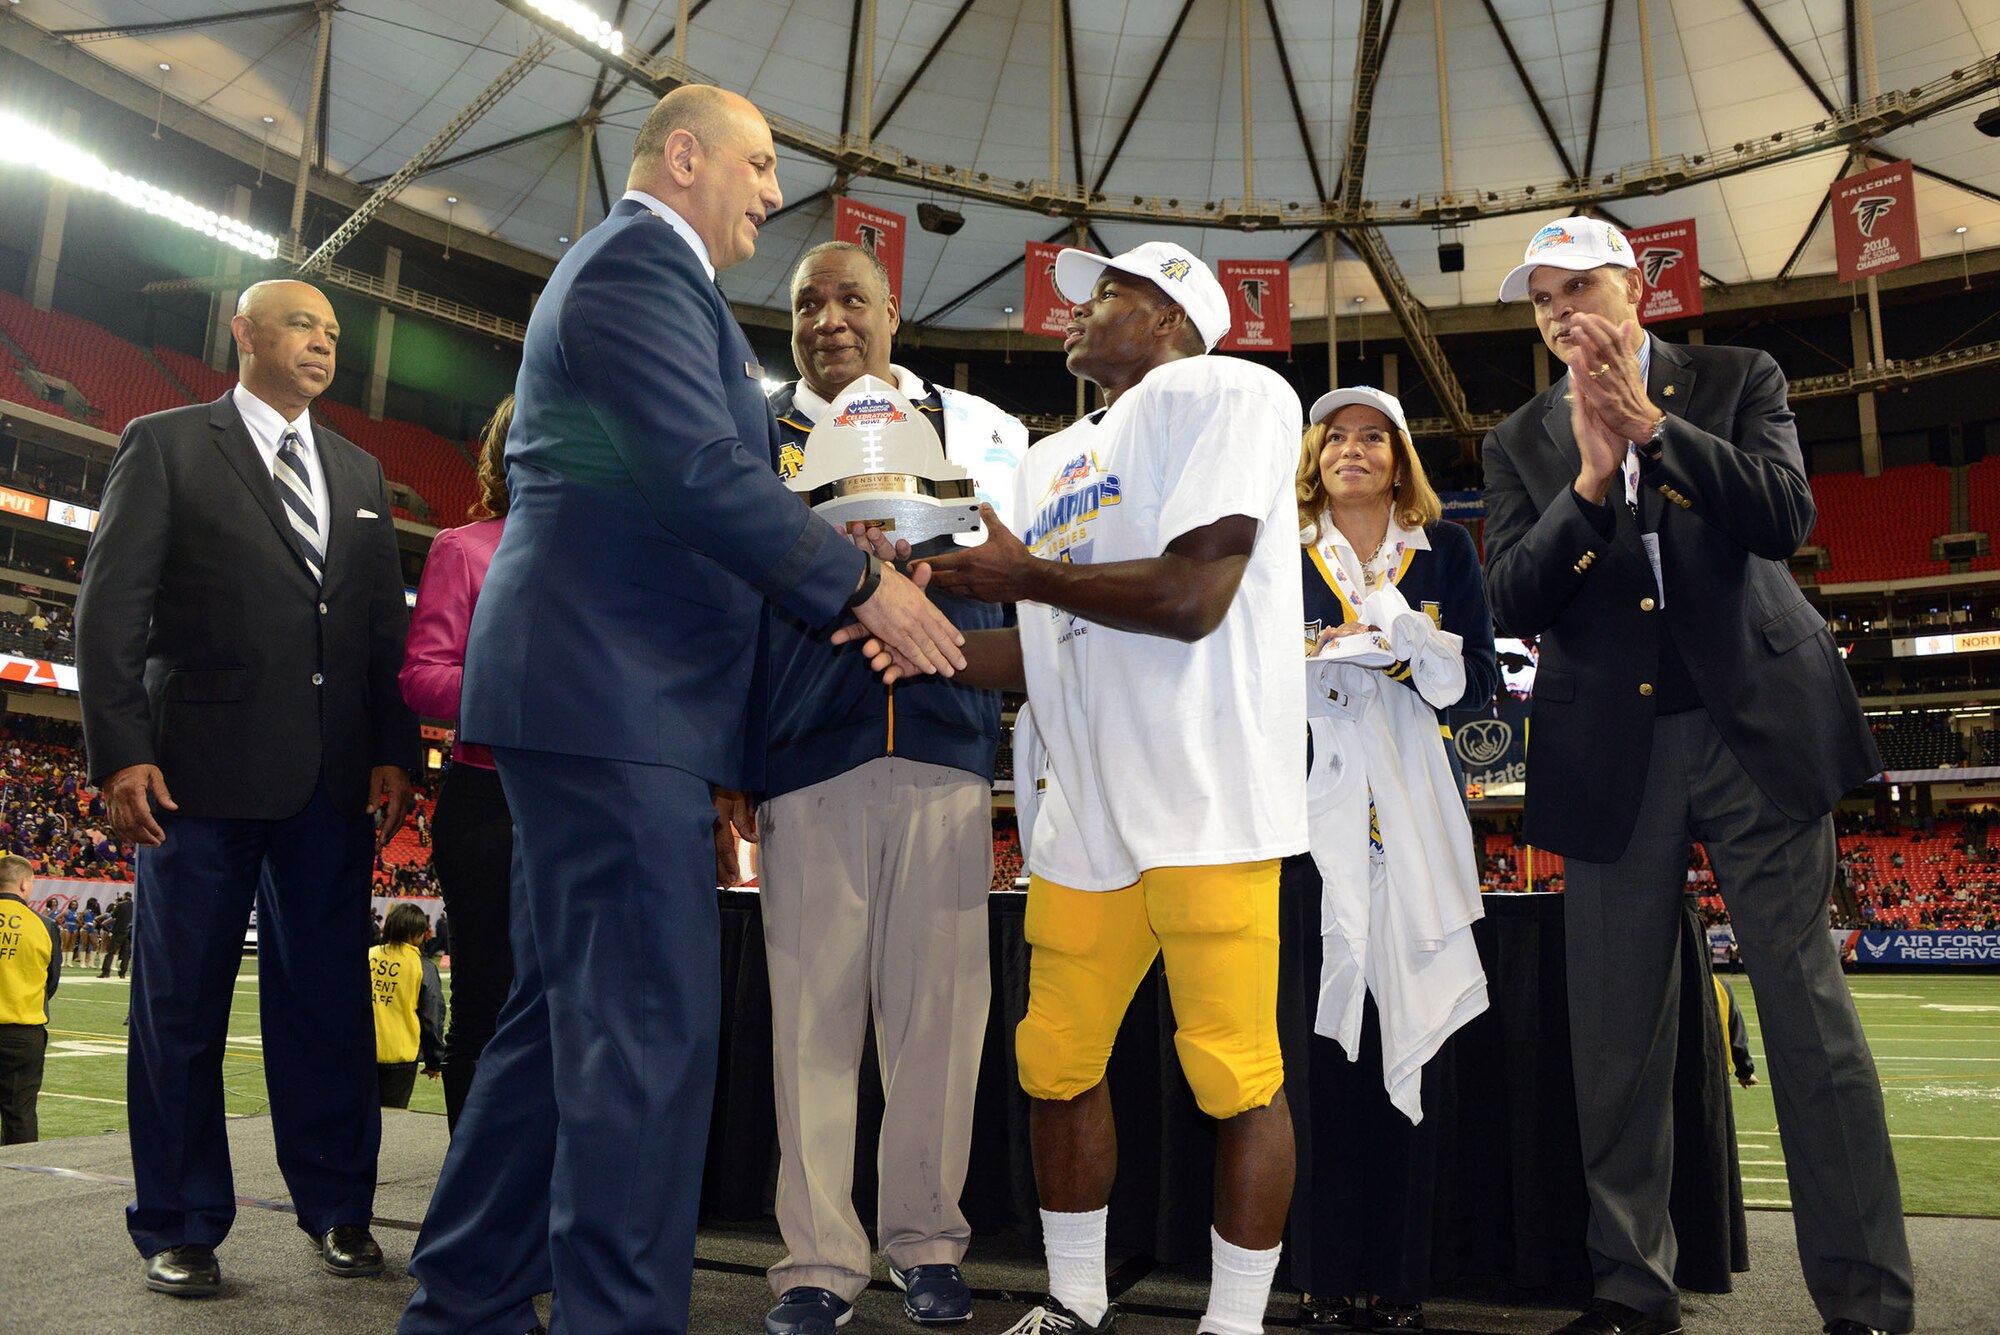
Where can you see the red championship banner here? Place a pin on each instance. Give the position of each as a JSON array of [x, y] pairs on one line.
[[1043, 310], [877, 231], [1670, 263], [1875, 222], [1260, 305]]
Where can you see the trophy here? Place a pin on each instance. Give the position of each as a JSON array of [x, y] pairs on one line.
[[873, 459]]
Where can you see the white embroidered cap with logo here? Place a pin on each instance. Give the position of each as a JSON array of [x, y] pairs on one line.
[[1569, 243], [1381, 401], [1174, 269]]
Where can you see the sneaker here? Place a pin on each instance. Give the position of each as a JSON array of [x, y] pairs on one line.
[[934, 1295], [807, 1311], [1052, 1318]]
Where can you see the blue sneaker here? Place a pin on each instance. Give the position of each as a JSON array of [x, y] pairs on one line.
[[807, 1311], [934, 1295]]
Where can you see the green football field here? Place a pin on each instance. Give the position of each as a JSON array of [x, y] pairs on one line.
[[1936, 1039]]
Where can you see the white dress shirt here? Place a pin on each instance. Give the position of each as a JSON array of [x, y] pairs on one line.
[[267, 428]]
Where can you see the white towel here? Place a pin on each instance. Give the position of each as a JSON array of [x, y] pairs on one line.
[[1397, 925]]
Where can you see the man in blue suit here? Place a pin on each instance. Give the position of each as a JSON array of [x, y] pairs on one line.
[[616, 668]]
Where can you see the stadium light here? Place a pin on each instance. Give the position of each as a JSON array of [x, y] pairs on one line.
[[26, 144], [582, 21]]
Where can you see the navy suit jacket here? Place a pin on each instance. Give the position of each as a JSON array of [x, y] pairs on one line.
[[203, 645], [625, 615], [1729, 500]]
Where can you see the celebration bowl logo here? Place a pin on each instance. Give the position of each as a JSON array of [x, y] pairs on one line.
[[1175, 269], [1552, 235], [1483, 741], [870, 413]]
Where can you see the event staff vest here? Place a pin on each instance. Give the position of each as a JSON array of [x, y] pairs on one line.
[[25, 951], [397, 970]]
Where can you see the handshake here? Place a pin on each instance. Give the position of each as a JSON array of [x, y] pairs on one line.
[[901, 632]]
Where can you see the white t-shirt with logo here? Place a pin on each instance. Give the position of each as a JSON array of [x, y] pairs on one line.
[[1158, 753]]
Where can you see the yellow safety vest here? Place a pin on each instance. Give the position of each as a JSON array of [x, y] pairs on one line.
[[25, 950], [397, 971]]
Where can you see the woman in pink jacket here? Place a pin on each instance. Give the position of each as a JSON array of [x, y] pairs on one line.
[[472, 836]]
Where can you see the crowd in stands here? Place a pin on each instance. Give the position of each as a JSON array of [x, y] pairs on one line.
[[42, 634], [1929, 876], [47, 814], [1918, 739]]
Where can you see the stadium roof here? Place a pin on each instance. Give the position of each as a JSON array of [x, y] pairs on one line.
[[1543, 93]]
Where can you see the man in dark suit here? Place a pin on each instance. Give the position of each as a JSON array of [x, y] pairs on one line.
[[616, 667], [1638, 518], [119, 939], [238, 638]]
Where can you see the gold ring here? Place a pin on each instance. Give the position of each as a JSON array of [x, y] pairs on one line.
[[1598, 372]]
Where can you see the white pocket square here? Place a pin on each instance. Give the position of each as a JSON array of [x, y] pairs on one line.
[[366, 514]]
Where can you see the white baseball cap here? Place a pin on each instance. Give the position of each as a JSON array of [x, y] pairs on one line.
[[1175, 270], [1569, 243], [1331, 402]]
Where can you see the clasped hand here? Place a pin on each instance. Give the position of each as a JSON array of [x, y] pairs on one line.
[[996, 571], [1608, 406]]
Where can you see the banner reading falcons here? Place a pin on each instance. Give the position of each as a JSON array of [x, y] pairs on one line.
[[1875, 222], [877, 231], [1260, 305], [1043, 311], [1670, 264]]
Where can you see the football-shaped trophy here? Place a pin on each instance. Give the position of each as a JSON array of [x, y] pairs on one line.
[[873, 459]]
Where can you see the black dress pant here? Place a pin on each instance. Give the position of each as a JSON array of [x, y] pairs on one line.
[[472, 849], [395, 1082], [22, 1050], [120, 945], [1364, 1206]]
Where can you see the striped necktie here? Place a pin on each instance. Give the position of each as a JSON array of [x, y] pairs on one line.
[[295, 490]]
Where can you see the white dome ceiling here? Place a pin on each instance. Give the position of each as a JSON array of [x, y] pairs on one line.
[[402, 69]]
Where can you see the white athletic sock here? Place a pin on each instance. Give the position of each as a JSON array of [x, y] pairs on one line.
[[1238, 1289], [1075, 1245]]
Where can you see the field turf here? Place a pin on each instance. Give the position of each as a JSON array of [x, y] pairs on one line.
[[1936, 1039]]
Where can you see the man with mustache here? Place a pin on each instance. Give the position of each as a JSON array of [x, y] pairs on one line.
[[875, 858], [238, 637]]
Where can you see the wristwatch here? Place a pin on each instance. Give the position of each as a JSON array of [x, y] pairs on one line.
[[1650, 446], [870, 581]]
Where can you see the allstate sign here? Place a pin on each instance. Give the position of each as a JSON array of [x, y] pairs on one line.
[[1918, 948]]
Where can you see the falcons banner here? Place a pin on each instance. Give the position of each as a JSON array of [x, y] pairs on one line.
[[1670, 263], [1260, 305], [1875, 222], [1043, 311], [877, 231]]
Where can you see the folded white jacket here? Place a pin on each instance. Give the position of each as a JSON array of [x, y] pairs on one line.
[[1401, 932]]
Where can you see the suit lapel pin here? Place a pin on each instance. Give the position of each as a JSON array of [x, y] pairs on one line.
[[1668, 391]]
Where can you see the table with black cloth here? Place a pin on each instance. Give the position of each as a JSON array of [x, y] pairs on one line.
[[1512, 1206]]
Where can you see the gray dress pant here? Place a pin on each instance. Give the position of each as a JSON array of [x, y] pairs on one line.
[[1622, 921], [874, 888]]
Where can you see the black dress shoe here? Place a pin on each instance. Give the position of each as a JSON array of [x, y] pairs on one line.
[[1336, 1313], [1849, 1326], [185, 1272], [349, 1249], [1604, 1317]]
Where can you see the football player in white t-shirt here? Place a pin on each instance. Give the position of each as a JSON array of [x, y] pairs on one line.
[[1157, 580]]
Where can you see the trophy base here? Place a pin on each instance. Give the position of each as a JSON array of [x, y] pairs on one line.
[[914, 519]]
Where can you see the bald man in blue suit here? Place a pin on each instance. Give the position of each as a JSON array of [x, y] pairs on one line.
[[616, 667]]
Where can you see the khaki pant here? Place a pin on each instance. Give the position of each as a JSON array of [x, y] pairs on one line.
[[874, 891]]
